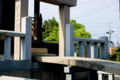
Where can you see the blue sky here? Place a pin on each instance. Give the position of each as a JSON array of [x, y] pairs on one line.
[[96, 15]]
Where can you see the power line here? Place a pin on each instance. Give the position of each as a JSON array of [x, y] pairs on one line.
[[96, 18], [96, 11]]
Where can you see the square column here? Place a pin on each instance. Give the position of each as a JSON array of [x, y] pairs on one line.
[[21, 10], [64, 18]]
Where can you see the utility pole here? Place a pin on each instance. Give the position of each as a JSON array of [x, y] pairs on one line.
[[110, 33], [119, 10], [109, 37], [119, 22]]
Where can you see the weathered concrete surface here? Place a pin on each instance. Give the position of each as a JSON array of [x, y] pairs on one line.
[[64, 18], [62, 2], [21, 10], [117, 77], [14, 78], [95, 64]]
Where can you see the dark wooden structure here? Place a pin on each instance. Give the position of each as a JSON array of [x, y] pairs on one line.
[[7, 14], [7, 22], [38, 21], [7, 17]]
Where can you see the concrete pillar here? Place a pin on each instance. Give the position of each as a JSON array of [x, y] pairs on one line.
[[26, 42], [64, 18], [7, 48], [69, 40], [81, 49], [89, 50], [96, 50], [21, 10], [104, 48], [110, 77], [100, 77], [92, 51]]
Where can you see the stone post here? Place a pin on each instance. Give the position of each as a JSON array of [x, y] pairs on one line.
[[64, 18], [81, 49], [96, 50], [21, 10], [104, 48], [89, 49], [69, 40], [7, 48], [26, 42]]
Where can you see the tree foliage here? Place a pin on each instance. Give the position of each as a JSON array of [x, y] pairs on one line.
[[51, 33], [116, 55], [79, 30], [48, 25]]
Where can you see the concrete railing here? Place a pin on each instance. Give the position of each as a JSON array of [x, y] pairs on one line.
[[91, 44], [25, 36], [14, 78], [101, 75]]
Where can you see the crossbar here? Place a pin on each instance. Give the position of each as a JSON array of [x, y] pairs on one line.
[[14, 78], [11, 33], [88, 40]]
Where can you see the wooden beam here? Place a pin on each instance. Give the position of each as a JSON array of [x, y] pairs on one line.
[[36, 17], [39, 29], [40, 50], [21, 10], [38, 22], [64, 18], [62, 2]]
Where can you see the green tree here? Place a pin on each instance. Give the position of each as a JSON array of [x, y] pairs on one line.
[[53, 36], [51, 33], [79, 30], [48, 25], [116, 55]]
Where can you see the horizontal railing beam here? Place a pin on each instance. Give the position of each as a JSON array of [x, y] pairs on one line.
[[4, 33], [88, 40], [14, 78]]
